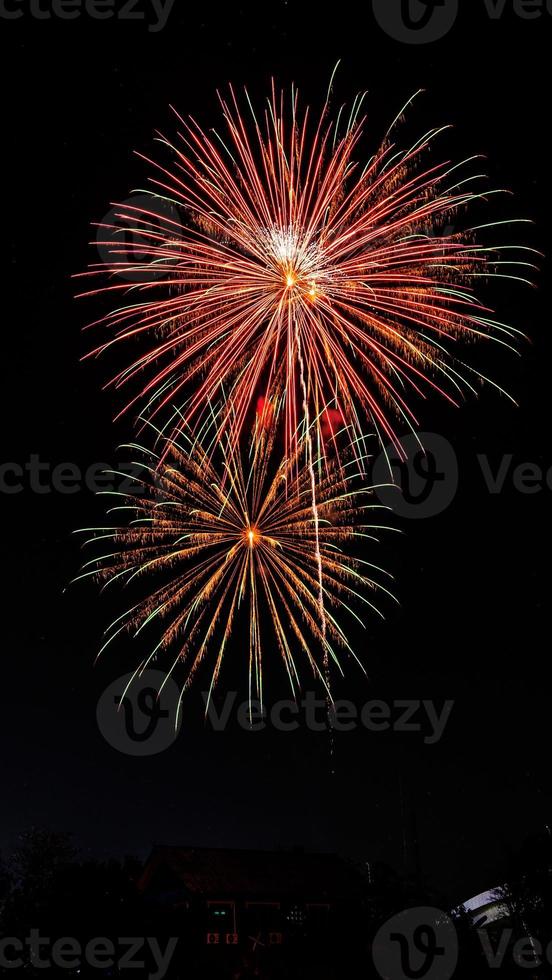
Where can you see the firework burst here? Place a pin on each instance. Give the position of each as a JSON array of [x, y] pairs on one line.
[[212, 537], [298, 275]]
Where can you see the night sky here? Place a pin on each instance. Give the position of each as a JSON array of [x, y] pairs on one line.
[[79, 97]]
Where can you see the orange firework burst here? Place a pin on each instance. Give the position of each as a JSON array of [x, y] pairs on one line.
[[297, 274], [213, 540]]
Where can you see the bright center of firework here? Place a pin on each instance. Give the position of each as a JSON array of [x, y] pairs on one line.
[[252, 536], [297, 259]]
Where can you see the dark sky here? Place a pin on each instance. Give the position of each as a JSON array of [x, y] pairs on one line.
[[473, 581]]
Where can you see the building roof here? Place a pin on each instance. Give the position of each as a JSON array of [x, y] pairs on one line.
[[270, 875]]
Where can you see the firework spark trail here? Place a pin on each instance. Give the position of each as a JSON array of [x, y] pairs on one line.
[[316, 520], [310, 467]]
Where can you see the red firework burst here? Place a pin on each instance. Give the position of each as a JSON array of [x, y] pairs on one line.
[[298, 275]]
